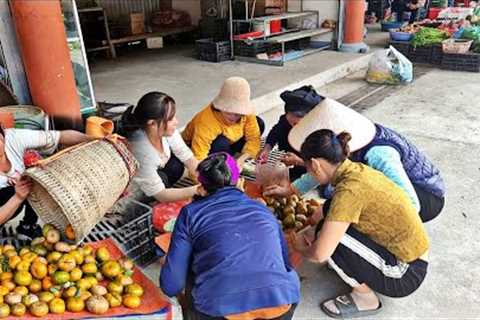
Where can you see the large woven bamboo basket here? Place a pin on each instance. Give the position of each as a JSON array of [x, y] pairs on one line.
[[78, 185]]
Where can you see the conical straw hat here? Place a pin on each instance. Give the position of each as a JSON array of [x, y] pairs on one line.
[[330, 114], [234, 97]]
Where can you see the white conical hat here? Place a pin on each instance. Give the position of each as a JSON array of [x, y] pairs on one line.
[[332, 115]]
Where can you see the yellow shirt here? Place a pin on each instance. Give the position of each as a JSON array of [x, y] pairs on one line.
[[379, 209], [208, 124]]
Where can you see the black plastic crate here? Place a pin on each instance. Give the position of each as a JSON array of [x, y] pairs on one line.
[[461, 62], [420, 54], [132, 231], [300, 44], [136, 235], [437, 54], [402, 46], [251, 49], [213, 51]]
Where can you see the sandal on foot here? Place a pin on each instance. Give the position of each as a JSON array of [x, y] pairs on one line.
[[347, 308]]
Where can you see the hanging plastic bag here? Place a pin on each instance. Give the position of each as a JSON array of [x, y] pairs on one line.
[[389, 67]]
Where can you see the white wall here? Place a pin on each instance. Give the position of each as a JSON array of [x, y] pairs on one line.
[[327, 9], [190, 6]]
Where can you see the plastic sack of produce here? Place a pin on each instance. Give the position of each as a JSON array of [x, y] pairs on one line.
[[165, 215], [389, 67]]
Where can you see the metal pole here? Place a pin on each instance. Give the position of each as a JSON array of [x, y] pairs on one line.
[[230, 10], [341, 16]]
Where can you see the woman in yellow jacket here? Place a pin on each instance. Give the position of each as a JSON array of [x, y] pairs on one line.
[[228, 124]]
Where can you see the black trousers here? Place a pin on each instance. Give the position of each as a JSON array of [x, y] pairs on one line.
[[430, 204], [172, 172], [358, 259], [30, 217], [221, 143]]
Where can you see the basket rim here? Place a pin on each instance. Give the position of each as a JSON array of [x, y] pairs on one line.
[[54, 198]]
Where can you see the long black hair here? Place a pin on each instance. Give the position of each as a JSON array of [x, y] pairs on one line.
[[216, 172], [327, 145], [154, 105]]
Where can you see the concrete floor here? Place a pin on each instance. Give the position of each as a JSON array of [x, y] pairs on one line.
[[194, 83]]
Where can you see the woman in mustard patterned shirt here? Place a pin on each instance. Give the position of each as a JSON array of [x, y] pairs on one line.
[[371, 234]]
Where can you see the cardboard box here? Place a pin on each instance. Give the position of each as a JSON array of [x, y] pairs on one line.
[[155, 43], [137, 23], [275, 4]]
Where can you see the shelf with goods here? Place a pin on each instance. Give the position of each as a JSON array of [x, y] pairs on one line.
[[98, 16], [281, 37]]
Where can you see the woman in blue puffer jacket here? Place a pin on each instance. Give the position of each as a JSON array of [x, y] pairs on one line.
[[230, 253], [376, 146]]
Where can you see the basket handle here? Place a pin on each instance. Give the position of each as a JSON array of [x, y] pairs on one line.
[[112, 139]]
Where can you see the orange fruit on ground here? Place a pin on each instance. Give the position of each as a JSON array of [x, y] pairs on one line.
[[114, 299], [23, 265], [70, 292], [9, 284], [47, 283], [7, 247], [3, 290], [131, 302], [39, 270], [102, 254], [111, 269], [69, 232], [21, 290], [89, 268], [115, 287], [83, 284], [10, 253], [54, 256], [134, 289], [89, 259], [29, 257], [67, 263], [51, 269], [18, 310], [76, 274], [88, 250], [78, 256], [6, 276], [93, 280], [57, 306], [60, 277], [46, 296], [84, 295], [39, 309], [13, 261], [75, 304], [22, 278], [4, 310], [35, 286]]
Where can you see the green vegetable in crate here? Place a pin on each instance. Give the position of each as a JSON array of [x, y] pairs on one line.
[[428, 36]]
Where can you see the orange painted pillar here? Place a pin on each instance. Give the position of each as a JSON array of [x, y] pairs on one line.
[[46, 57], [354, 26]]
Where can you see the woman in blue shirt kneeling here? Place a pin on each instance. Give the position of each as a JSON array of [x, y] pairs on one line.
[[232, 250]]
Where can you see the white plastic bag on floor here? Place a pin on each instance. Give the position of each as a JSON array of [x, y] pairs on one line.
[[389, 67]]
